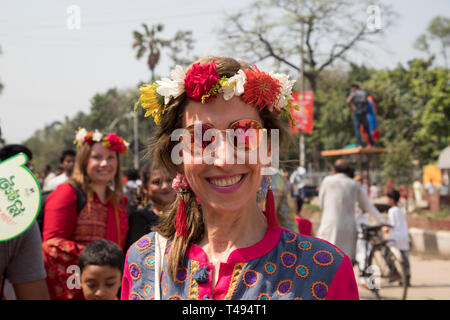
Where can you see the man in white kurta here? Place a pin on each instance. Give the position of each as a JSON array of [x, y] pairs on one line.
[[337, 197]]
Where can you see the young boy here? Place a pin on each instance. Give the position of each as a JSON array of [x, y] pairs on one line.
[[101, 264], [398, 232]]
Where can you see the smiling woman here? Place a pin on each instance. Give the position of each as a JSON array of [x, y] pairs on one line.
[[69, 227], [220, 245]]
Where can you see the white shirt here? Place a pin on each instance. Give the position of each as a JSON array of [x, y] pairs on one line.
[[298, 177], [56, 181], [399, 232], [373, 192]]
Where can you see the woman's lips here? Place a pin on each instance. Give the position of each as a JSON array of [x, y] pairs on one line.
[[226, 183]]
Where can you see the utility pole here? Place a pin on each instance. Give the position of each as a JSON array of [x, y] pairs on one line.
[[302, 137], [136, 141]]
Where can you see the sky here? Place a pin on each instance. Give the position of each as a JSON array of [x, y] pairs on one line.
[[50, 69]]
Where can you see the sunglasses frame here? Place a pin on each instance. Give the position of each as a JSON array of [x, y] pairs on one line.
[[230, 126]]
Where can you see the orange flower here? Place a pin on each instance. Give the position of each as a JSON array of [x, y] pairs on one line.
[[260, 90]]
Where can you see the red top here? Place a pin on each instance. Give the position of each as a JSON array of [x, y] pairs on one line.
[[67, 232]]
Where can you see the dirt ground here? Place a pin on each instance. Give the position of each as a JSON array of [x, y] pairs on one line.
[[430, 280]]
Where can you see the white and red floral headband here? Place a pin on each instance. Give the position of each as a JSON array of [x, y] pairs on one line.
[[111, 141], [201, 82]]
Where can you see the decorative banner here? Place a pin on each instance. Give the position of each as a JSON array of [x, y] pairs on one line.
[[304, 116], [20, 197]]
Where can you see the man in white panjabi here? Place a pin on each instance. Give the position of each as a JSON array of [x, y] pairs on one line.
[[337, 197]]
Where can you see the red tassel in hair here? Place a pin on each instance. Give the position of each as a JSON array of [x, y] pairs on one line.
[[271, 213], [180, 220]]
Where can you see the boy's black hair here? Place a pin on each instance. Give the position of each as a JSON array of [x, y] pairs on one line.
[[354, 85], [65, 153], [102, 253], [394, 195], [12, 149]]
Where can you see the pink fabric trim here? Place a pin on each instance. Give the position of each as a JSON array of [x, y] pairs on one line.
[[126, 281], [223, 282], [343, 286], [268, 242]]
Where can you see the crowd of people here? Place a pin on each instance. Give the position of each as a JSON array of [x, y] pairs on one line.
[[193, 230]]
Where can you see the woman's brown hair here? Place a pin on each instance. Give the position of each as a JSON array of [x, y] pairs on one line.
[[160, 148], [81, 179]]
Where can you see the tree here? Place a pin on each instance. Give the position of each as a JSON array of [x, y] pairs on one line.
[[180, 45], [306, 36], [438, 32]]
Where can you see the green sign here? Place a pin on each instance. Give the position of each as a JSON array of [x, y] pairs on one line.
[[20, 197]]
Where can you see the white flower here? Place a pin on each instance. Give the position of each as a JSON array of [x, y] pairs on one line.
[[97, 136], [235, 85], [172, 88], [286, 84], [80, 134], [286, 89]]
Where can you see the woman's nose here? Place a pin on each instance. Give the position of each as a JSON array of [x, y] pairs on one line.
[[223, 152]]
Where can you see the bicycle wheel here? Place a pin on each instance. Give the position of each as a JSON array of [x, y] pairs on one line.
[[387, 276]]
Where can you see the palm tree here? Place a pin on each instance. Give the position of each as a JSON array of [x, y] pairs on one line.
[[150, 41], [179, 46]]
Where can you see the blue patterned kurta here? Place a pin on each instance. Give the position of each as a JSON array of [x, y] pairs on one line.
[[283, 265]]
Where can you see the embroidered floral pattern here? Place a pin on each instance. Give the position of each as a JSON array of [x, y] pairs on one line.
[[135, 271], [264, 296], [237, 270], [305, 245], [181, 275], [143, 244], [193, 285], [147, 290], [150, 261], [250, 278], [288, 259], [284, 287], [291, 237], [270, 267], [135, 296], [323, 258], [319, 290], [302, 271]]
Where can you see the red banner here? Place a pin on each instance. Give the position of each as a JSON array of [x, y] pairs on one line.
[[304, 116]]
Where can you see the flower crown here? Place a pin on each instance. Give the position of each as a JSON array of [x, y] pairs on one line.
[[111, 141], [201, 82]]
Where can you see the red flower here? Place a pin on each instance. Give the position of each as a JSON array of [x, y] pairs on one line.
[[113, 142], [260, 89], [89, 137], [200, 79]]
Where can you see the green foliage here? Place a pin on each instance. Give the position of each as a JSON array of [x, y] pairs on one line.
[[110, 111]]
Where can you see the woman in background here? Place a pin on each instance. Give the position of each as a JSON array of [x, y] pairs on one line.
[[96, 183], [152, 198]]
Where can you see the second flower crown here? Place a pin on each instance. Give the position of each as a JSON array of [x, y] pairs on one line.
[[256, 88], [111, 141]]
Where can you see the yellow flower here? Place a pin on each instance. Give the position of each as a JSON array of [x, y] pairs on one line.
[[150, 103]]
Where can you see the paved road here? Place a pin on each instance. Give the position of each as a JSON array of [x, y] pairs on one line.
[[430, 280]]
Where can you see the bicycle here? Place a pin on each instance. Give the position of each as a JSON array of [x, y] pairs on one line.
[[384, 267]]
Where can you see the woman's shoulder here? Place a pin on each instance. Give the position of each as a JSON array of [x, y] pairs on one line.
[[322, 252], [143, 247], [64, 192]]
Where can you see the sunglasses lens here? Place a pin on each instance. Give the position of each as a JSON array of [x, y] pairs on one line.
[[198, 141], [246, 135]]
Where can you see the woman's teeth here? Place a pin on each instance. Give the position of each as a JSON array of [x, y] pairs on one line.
[[226, 182]]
